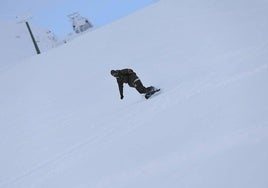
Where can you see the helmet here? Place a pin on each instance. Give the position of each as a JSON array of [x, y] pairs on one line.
[[114, 73]]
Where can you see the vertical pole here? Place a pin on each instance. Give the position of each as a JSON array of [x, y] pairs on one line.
[[35, 44]]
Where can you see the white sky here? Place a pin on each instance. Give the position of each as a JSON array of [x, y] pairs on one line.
[[52, 14]]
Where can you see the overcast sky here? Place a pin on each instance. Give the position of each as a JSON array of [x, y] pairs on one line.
[[52, 14]]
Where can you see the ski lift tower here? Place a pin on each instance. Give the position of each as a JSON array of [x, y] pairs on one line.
[[79, 23], [25, 20]]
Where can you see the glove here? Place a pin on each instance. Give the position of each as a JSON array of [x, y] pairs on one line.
[[121, 97]]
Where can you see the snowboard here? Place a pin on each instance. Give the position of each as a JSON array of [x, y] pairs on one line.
[[151, 93]]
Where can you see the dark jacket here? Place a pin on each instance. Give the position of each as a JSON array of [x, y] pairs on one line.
[[127, 76]]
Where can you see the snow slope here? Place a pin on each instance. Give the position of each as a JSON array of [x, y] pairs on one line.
[[62, 123]]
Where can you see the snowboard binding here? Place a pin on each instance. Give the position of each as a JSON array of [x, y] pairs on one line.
[[151, 90]]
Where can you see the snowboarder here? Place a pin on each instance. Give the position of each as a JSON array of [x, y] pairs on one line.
[[129, 77]]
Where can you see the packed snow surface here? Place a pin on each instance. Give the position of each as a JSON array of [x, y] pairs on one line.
[[62, 123]]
